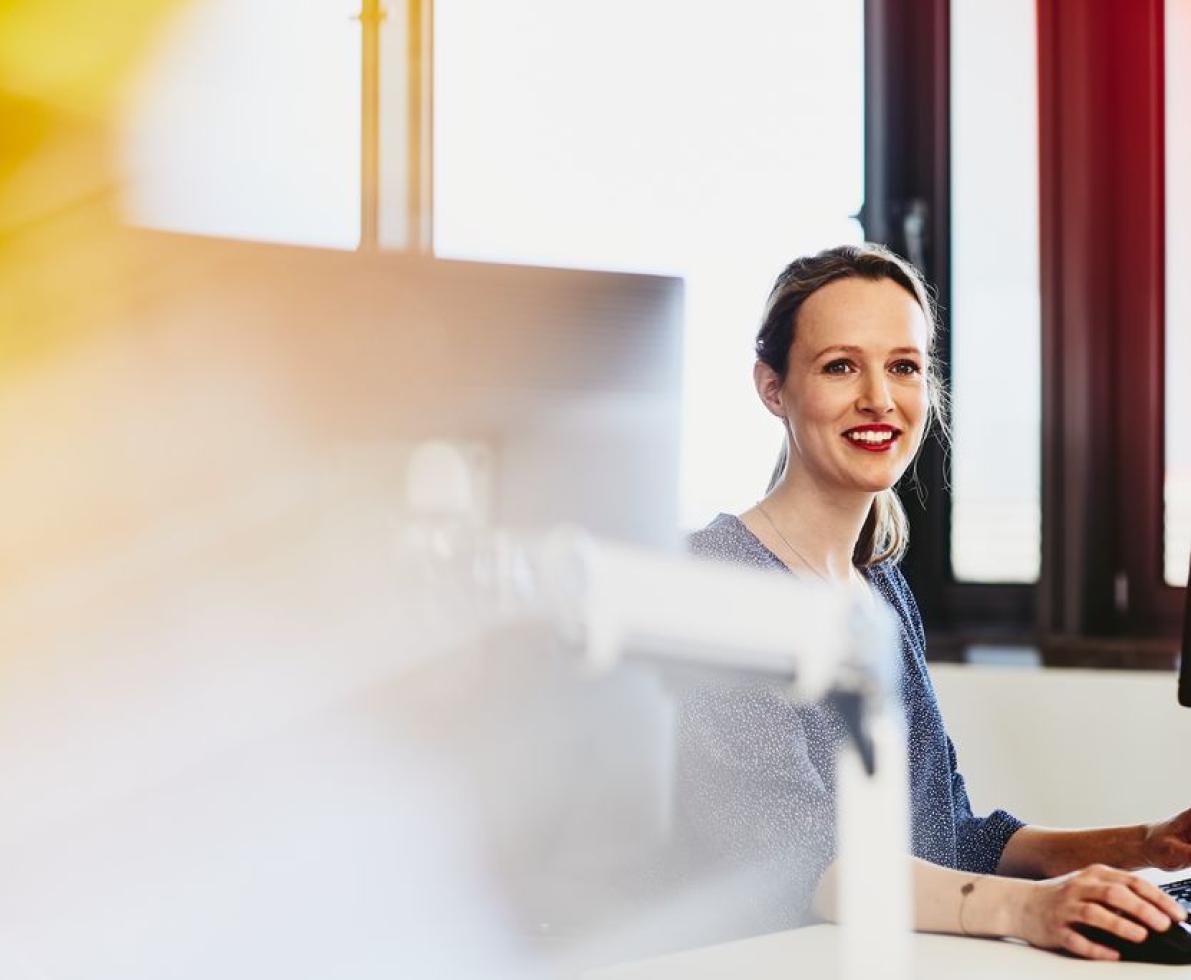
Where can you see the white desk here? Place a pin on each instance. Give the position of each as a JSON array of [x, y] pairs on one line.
[[810, 954]]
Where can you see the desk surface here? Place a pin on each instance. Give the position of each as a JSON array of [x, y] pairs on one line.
[[814, 951]]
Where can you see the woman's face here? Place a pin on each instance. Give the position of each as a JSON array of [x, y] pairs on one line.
[[855, 392]]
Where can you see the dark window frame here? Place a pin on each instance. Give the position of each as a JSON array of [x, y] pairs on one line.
[[1102, 279]]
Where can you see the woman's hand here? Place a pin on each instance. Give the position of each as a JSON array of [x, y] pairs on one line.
[[1167, 844], [1099, 896]]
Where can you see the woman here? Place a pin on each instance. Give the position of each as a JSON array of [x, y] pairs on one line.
[[844, 361]]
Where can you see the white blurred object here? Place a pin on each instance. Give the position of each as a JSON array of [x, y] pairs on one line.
[[621, 602], [873, 834], [443, 480], [631, 600], [821, 642]]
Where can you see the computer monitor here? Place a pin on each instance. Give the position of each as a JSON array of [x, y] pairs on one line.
[[203, 592], [252, 354]]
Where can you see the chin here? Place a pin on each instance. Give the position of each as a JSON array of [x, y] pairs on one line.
[[876, 482], [876, 487]]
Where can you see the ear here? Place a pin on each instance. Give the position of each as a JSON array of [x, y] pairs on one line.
[[769, 387]]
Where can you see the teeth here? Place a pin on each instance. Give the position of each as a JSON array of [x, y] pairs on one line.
[[869, 436]]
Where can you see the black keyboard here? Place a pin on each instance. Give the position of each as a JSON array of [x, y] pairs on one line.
[[1180, 891]]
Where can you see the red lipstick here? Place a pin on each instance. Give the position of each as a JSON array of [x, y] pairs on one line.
[[872, 438]]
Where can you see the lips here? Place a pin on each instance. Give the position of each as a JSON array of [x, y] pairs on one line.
[[872, 438]]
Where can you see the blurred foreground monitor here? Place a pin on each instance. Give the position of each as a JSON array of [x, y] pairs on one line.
[[245, 730]]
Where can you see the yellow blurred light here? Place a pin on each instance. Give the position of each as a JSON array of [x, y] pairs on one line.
[[74, 55]]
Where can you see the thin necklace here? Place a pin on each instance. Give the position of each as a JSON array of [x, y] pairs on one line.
[[798, 554]]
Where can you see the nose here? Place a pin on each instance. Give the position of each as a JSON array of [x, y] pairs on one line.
[[875, 398]]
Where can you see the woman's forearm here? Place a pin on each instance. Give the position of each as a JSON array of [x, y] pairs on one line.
[[1050, 914], [989, 907], [960, 902], [1037, 852]]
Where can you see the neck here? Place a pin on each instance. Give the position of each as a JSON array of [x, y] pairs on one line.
[[823, 526]]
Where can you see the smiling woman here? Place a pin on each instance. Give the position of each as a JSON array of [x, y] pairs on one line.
[[844, 360], [869, 391], [856, 391]]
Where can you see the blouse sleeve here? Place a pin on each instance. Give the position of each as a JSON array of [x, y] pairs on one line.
[[979, 841]]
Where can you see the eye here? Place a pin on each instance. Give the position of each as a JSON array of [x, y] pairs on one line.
[[907, 368], [839, 366]]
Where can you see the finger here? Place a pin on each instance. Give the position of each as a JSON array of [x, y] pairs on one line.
[[1073, 942], [1102, 918], [1119, 895], [1156, 896]]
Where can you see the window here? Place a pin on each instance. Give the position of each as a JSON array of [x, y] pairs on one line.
[[218, 129], [666, 137], [949, 185], [1018, 161], [995, 339]]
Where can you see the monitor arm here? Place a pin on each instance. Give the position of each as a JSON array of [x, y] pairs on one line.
[[818, 643]]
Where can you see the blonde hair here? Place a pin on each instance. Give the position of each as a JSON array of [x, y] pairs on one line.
[[886, 531]]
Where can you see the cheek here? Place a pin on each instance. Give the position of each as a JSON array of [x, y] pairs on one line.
[[916, 406], [822, 405], [917, 410]]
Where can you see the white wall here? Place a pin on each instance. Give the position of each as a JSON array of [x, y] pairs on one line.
[[1069, 748]]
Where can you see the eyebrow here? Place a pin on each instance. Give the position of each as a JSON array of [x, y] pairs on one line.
[[852, 349]]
